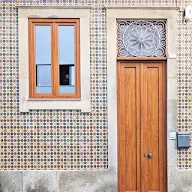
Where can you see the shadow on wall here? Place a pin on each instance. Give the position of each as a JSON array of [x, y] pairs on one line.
[[88, 181], [40, 186], [10, 181], [1, 190], [180, 181], [60, 181]]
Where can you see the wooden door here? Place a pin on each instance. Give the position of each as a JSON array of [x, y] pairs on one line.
[[141, 126]]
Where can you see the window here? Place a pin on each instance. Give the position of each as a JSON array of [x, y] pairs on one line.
[[54, 58], [57, 76]]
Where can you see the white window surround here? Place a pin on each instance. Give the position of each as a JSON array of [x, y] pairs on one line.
[[82, 12], [170, 14]]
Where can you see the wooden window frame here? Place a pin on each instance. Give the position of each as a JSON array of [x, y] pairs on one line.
[[54, 23]]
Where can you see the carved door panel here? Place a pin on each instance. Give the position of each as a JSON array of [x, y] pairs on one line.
[[141, 127]]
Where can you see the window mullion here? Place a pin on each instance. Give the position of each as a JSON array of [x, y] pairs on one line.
[[76, 61], [55, 74], [32, 69], [52, 58]]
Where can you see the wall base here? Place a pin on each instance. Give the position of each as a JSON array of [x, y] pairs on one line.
[[80, 181], [58, 181], [179, 180]]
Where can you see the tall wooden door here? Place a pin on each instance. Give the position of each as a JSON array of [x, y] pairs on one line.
[[141, 126]]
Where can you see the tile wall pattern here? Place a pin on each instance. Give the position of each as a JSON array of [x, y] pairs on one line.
[[70, 139]]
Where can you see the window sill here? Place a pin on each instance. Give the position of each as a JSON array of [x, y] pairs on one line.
[[55, 104], [54, 99]]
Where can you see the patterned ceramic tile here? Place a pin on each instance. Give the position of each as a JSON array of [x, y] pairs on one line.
[[70, 139]]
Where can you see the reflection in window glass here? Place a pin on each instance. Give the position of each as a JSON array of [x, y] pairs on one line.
[[67, 79], [43, 79], [66, 45], [43, 44], [43, 59], [66, 59]]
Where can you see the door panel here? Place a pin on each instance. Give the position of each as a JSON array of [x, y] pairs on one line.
[[151, 125], [128, 133], [141, 127]]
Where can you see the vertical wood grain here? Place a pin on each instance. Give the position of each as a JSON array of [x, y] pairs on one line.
[[77, 58], [129, 128], [121, 131], [142, 126], [31, 59], [164, 134], [150, 128], [153, 127], [55, 80], [55, 55]]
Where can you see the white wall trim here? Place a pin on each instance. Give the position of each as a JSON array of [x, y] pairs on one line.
[[52, 7], [25, 12], [170, 14]]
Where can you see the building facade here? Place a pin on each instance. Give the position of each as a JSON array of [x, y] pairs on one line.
[[67, 144]]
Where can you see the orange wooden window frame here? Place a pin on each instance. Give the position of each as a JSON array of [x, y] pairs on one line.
[[53, 23]]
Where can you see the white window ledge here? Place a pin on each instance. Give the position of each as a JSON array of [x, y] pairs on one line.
[[26, 103]]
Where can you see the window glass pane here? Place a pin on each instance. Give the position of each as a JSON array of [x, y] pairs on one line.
[[66, 45], [67, 78], [43, 44], [67, 89], [43, 79], [43, 59], [43, 89], [66, 59]]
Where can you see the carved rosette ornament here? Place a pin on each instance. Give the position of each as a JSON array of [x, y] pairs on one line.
[[141, 38]]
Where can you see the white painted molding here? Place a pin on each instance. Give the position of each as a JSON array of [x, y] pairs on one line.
[[139, 12], [172, 56], [170, 14], [25, 103], [52, 7], [141, 7]]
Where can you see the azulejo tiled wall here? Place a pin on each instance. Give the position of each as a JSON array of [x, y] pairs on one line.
[[70, 139]]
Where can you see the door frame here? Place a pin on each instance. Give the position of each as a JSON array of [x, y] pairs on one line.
[[153, 60], [124, 12]]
